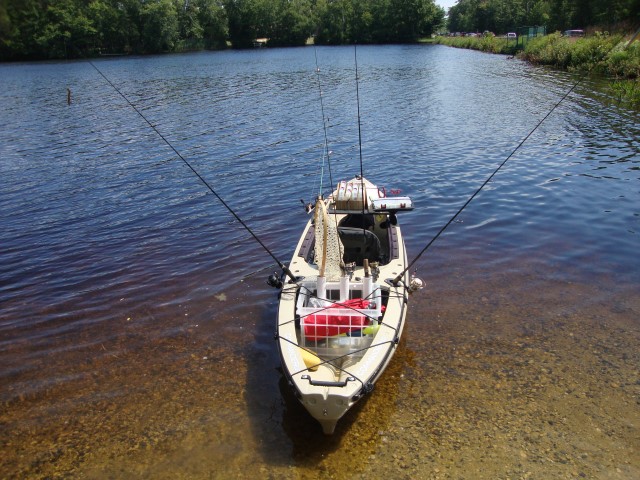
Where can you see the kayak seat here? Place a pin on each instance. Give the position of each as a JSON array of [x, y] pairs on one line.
[[357, 220], [359, 244]]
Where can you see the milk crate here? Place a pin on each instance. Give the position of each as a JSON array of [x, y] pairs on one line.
[[332, 328]]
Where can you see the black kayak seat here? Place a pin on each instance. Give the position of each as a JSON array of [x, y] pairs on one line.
[[359, 244]]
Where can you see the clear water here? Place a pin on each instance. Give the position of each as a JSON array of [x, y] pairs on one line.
[[136, 330]]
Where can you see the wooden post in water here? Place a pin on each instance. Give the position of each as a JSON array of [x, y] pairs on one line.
[[68, 96]]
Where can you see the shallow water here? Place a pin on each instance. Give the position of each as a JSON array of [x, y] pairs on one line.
[[136, 331]]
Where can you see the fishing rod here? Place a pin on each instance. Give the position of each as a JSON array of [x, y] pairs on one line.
[[326, 153], [284, 268], [398, 278], [355, 58]]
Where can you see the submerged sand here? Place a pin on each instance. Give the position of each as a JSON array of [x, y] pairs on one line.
[[504, 377]]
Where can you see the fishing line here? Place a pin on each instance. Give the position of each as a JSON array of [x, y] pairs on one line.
[[451, 220], [200, 177], [326, 152], [355, 58], [580, 80]]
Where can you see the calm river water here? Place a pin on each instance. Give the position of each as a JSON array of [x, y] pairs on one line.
[[136, 328]]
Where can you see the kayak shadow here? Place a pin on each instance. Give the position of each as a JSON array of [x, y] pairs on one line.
[[373, 414], [281, 427]]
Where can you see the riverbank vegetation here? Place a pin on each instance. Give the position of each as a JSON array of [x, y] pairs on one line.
[[600, 53], [502, 16], [485, 43], [609, 55], [603, 50], [43, 29]]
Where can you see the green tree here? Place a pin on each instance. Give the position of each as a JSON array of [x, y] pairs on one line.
[[503, 15], [377, 21], [160, 29], [66, 32], [213, 20], [5, 22], [292, 24], [34, 29], [18, 25], [242, 22], [116, 33], [190, 29], [334, 22]]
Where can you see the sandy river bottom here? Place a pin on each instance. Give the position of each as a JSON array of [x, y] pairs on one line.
[[503, 376]]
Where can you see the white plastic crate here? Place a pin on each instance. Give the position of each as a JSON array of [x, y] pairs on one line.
[[332, 331]]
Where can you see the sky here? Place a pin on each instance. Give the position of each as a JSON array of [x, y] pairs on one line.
[[446, 4]]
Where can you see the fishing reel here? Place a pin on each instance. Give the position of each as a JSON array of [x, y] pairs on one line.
[[375, 270], [308, 207], [276, 281], [415, 283], [349, 268], [391, 220]]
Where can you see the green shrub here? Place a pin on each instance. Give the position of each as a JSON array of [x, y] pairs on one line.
[[590, 53], [627, 92], [484, 43], [625, 63], [551, 49], [601, 53]]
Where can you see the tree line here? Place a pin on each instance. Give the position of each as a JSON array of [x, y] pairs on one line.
[[40, 29], [500, 16]]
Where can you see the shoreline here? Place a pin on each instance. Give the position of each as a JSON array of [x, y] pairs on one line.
[[614, 57]]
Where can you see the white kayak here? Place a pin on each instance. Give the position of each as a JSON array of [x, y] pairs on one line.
[[340, 322]]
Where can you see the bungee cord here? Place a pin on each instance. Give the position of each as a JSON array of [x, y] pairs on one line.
[[324, 361], [284, 268], [341, 357]]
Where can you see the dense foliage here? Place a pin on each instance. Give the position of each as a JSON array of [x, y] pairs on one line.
[[75, 28], [376, 21], [485, 43], [501, 16], [33, 29], [607, 54], [611, 55]]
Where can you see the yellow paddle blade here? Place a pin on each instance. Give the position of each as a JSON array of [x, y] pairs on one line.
[[311, 360]]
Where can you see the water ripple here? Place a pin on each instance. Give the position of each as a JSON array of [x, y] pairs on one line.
[[100, 217]]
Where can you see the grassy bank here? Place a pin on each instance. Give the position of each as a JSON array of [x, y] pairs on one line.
[[607, 55], [600, 53], [604, 54], [484, 44]]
